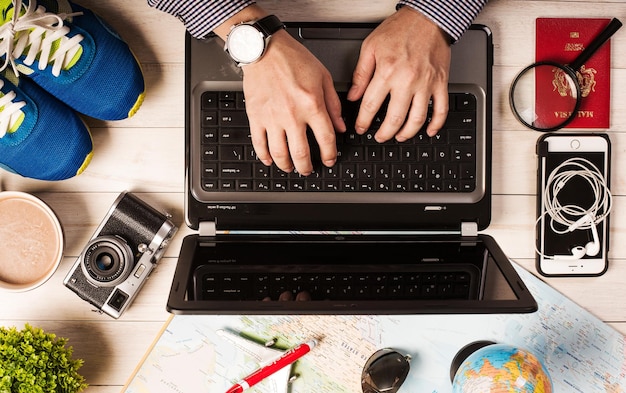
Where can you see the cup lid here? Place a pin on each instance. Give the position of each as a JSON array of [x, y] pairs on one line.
[[31, 241]]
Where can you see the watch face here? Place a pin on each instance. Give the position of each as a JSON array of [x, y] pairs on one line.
[[245, 44]]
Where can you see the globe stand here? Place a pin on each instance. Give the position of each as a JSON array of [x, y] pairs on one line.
[[464, 353]]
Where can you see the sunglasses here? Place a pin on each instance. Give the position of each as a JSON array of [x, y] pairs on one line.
[[385, 371]]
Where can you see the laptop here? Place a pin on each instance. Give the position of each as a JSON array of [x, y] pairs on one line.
[[392, 228]]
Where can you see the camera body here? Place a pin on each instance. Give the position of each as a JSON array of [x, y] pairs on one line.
[[120, 256]]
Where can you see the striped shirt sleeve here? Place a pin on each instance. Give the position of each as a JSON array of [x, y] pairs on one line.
[[453, 16], [200, 17]]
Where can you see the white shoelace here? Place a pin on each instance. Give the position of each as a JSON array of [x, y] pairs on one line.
[[37, 31], [10, 111]]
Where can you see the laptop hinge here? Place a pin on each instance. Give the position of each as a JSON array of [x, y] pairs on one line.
[[469, 229], [207, 228]]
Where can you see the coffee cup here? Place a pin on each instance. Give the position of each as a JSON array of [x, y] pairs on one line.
[[31, 241]]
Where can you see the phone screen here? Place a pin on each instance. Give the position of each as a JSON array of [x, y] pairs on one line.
[[555, 243], [578, 192]]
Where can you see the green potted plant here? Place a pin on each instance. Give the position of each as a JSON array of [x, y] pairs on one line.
[[32, 361]]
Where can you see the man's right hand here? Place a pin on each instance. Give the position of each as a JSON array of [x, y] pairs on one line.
[[287, 90]]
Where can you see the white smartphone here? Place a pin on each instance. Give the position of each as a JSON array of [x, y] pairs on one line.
[[572, 245]]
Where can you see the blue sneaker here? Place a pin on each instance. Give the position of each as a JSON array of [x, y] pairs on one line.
[[73, 55], [40, 137]]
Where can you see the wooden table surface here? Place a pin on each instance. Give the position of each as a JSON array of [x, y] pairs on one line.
[[145, 154]]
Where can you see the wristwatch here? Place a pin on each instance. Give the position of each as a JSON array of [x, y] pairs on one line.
[[246, 42]]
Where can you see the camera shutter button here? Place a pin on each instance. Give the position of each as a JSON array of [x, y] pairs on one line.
[[140, 270]]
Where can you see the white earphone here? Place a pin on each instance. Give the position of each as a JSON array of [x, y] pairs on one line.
[[577, 253], [590, 249]]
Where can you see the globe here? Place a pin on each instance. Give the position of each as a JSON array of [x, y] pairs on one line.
[[485, 367]]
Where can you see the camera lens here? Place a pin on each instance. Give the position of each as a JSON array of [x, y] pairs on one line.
[[107, 261], [104, 261]]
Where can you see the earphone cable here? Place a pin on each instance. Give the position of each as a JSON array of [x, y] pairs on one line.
[[569, 215]]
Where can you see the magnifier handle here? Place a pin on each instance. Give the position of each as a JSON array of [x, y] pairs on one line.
[[603, 37]]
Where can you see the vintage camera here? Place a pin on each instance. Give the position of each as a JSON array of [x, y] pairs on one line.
[[120, 256]]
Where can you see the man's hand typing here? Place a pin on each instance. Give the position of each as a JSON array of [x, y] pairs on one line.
[[408, 58]]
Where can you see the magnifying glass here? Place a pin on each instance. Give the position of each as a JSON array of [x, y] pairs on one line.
[[546, 96]]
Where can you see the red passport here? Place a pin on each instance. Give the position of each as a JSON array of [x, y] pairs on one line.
[[561, 40]]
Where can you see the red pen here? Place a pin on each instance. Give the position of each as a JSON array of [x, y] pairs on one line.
[[284, 360]]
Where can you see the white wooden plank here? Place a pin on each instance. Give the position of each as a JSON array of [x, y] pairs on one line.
[[145, 154]]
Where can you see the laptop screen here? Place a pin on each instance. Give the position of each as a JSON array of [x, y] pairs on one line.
[[354, 274]]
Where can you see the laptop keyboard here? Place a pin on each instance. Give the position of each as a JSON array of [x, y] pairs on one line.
[[443, 163], [288, 282]]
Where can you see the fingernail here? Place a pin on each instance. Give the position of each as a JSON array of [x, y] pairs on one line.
[[361, 130], [267, 162], [330, 163]]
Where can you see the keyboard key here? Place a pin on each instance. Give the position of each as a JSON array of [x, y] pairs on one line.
[[231, 152], [234, 136], [374, 153], [425, 154], [224, 104], [227, 95], [465, 102], [237, 118], [261, 185], [235, 170], [365, 171], [331, 185], [245, 185], [228, 185], [461, 136], [209, 119], [208, 100], [408, 153], [209, 136], [279, 185], [209, 170], [297, 185], [400, 171], [209, 153], [467, 171], [365, 186], [460, 120], [392, 153], [313, 185], [209, 185], [349, 185]]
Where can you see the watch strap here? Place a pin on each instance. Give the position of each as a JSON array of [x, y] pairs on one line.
[[269, 25]]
